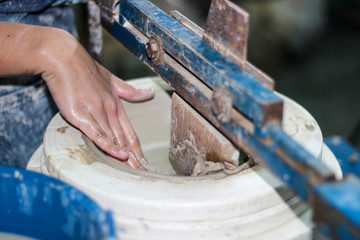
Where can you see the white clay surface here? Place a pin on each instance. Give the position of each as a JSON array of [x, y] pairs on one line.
[[250, 205]]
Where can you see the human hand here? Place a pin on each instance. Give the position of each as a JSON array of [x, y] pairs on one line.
[[87, 95]]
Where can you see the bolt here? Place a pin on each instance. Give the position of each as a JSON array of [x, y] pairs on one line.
[[221, 104], [151, 49], [154, 50]]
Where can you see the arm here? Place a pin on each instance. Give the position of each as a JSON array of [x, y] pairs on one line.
[[86, 93]]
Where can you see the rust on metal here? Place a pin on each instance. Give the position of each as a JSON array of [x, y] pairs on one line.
[[226, 30], [109, 12], [273, 113]]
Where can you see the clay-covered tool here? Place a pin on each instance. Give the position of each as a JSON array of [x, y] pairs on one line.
[[196, 147]]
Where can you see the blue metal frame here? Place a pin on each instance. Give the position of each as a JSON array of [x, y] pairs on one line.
[[189, 62], [202, 60], [42, 207], [347, 156]]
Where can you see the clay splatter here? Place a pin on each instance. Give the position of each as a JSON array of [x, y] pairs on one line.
[[80, 153], [62, 129]]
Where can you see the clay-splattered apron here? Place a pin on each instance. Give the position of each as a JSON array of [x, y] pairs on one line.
[[26, 107]]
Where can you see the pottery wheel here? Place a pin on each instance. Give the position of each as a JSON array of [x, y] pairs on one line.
[[252, 204]]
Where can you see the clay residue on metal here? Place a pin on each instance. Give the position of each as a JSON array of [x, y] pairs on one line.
[[62, 129], [196, 147], [188, 160]]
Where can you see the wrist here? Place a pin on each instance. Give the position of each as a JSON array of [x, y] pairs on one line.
[[55, 51]]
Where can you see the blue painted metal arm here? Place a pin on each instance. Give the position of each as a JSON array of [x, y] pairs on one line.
[[194, 69], [337, 208], [250, 96], [347, 155]]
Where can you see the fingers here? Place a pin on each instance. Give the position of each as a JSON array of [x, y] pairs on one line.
[[136, 156], [133, 162], [111, 106], [99, 121], [126, 91], [114, 133], [102, 136]]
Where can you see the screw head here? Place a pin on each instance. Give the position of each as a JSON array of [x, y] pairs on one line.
[[154, 50], [151, 49]]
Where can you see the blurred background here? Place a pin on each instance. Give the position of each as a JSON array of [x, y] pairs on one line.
[[311, 48]]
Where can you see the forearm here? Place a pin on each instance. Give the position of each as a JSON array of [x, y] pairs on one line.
[[24, 48]]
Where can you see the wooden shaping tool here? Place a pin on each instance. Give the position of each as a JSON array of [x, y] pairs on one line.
[[196, 147]]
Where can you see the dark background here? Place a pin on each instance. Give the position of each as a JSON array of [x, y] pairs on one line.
[[311, 48]]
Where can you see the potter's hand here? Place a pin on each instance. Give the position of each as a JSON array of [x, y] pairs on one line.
[[88, 96], [86, 93]]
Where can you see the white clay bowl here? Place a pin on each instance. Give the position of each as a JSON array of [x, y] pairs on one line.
[[250, 205]]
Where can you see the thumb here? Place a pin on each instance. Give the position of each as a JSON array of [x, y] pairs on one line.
[[125, 90], [130, 93]]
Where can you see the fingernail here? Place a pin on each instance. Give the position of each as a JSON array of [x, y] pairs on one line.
[[142, 163], [146, 165], [132, 162], [120, 153]]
